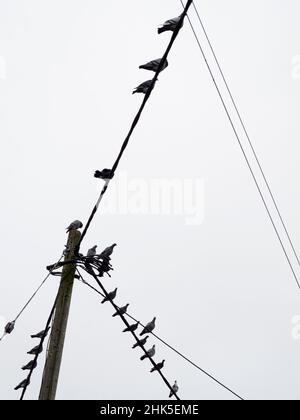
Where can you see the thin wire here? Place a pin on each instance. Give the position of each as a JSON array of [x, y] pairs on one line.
[[91, 271], [40, 345], [137, 118], [33, 296], [246, 133], [37, 290], [244, 153], [166, 344]]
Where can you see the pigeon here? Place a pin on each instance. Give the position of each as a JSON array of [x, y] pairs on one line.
[[159, 366], [36, 350], [110, 296], [170, 25], [74, 226], [107, 252], [41, 334], [104, 174], [92, 252], [22, 384], [153, 65], [121, 311], [132, 328], [149, 327], [175, 388], [143, 88], [9, 327], [141, 343], [150, 353], [31, 365]]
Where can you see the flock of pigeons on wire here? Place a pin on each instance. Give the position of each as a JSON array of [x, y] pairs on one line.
[[101, 262], [169, 25], [33, 363], [92, 258]]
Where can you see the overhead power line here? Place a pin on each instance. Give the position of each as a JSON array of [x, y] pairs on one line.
[[137, 117], [244, 154], [166, 344], [92, 273], [247, 134], [32, 297]]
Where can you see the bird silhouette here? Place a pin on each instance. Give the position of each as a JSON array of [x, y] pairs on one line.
[[175, 388], [170, 25], [36, 350], [104, 174], [74, 226], [143, 88], [153, 65], [31, 365], [132, 328], [110, 296], [121, 311], [92, 252], [149, 327], [141, 343], [107, 252], [150, 353], [157, 367], [22, 384], [41, 334]]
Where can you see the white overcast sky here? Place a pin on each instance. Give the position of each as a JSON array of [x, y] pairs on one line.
[[222, 291]]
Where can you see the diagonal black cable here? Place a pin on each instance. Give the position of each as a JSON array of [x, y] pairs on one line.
[[33, 296], [247, 134], [165, 343], [137, 118], [245, 155], [92, 273], [40, 345]]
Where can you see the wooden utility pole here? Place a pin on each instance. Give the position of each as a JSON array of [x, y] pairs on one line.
[[59, 327]]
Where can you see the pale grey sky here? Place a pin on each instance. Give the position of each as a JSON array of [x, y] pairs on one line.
[[222, 290]]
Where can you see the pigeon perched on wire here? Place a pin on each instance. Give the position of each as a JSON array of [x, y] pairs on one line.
[[22, 384], [170, 25], [150, 353], [175, 388], [31, 365], [153, 65], [121, 311], [143, 88], [105, 174], [132, 328], [36, 350], [74, 226], [110, 296], [92, 252], [159, 366], [149, 327], [107, 252], [141, 343], [9, 327], [41, 334]]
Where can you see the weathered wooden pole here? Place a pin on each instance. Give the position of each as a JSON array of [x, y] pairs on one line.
[[59, 327]]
